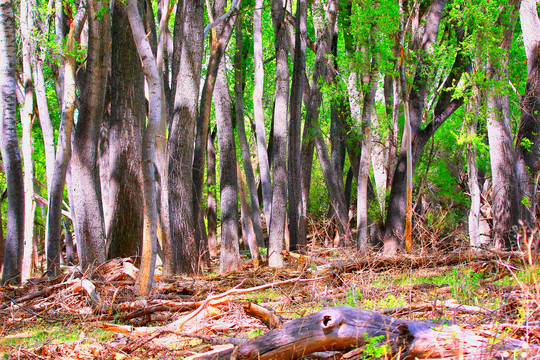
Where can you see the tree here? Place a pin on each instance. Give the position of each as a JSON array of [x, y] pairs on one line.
[[528, 137], [9, 147], [53, 229], [297, 220], [188, 49], [87, 204], [125, 227], [444, 107], [228, 182], [505, 201]]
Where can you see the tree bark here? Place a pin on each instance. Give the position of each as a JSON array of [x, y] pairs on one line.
[[27, 23], [365, 157], [505, 201], [258, 112], [242, 139], [528, 137], [279, 191], [228, 181], [125, 227], [211, 204], [297, 220], [156, 93], [9, 147], [181, 137], [53, 230], [87, 204]]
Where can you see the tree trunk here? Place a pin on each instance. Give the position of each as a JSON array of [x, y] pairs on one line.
[[297, 220], [258, 112], [279, 191], [125, 227], [156, 93], [242, 139], [214, 64], [9, 147], [53, 230], [211, 204], [334, 183], [228, 184], [248, 232], [505, 201], [84, 165], [365, 157], [528, 137], [181, 137], [445, 106], [27, 23]]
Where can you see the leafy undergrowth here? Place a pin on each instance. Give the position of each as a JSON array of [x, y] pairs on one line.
[[98, 315]]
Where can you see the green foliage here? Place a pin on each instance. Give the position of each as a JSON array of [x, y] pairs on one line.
[[375, 347]]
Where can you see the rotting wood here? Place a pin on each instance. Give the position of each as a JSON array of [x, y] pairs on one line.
[[346, 328]]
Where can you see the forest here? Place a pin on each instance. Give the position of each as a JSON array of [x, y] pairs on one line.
[[167, 140]]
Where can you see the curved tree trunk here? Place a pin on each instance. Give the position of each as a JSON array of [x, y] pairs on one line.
[[53, 230], [9, 147]]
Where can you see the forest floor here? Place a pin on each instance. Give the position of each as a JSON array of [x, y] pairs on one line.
[[98, 315]]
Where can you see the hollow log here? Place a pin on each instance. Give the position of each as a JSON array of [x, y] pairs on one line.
[[346, 328]]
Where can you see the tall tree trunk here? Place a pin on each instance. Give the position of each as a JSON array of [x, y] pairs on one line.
[[125, 229], [258, 112], [279, 195], [472, 174], [84, 165], [242, 139], [27, 23], [53, 230], [248, 232], [181, 137], [505, 201], [334, 183], [365, 157], [9, 147], [214, 64], [156, 92], [445, 106], [528, 137], [297, 220], [230, 255], [211, 204]]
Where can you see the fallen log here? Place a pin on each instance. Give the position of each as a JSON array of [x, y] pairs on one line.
[[346, 328]]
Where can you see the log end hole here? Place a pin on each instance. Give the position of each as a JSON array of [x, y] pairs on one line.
[[328, 322]]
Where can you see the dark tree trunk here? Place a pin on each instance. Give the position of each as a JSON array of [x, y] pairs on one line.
[[9, 147], [125, 229], [279, 191], [297, 220], [445, 106], [189, 45], [528, 137], [84, 165]]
